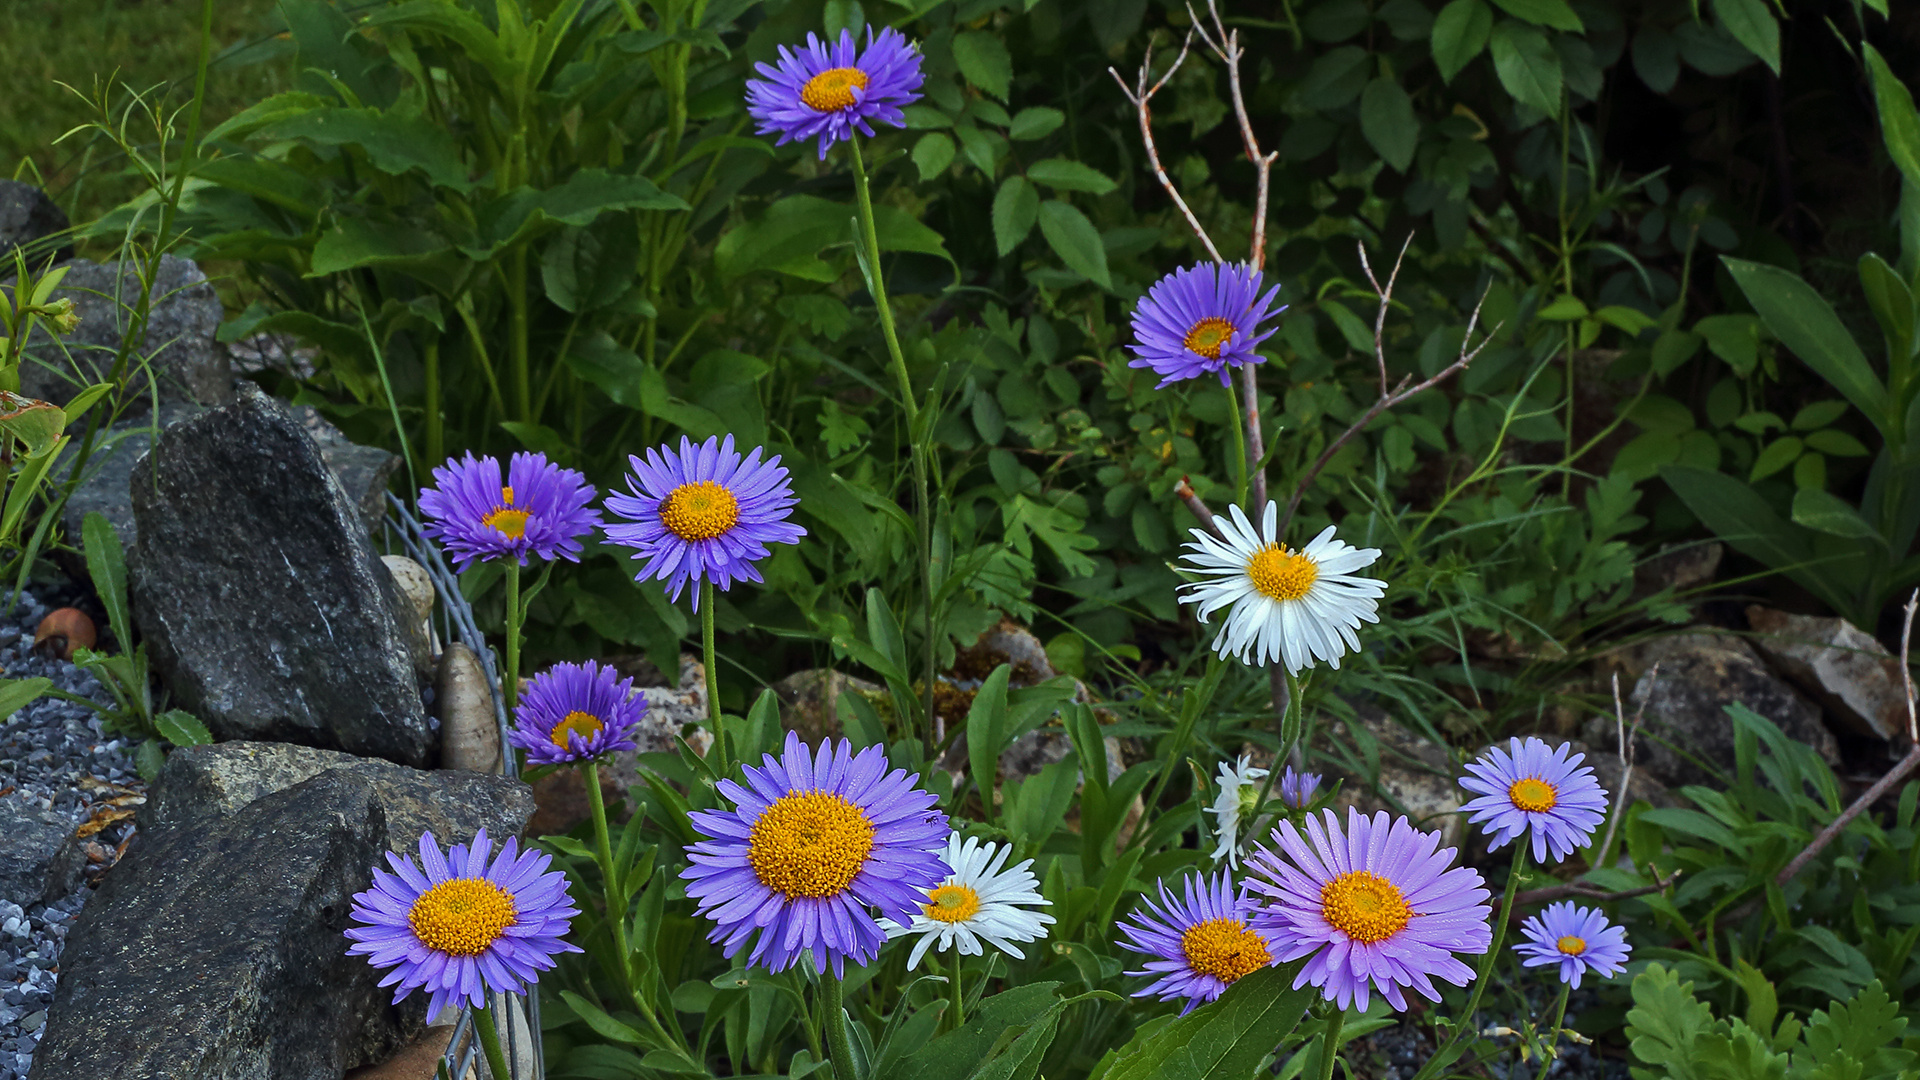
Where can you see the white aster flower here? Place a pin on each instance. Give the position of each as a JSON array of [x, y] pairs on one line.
[[1237, 795], [1293, 606], [977, 902]]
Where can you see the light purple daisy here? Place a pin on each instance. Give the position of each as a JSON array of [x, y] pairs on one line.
[[1535, 787], [1201, 944], [464, 926], [703, 513], [541, 510], [814, 842], [1297, 788], [827, 91], [576, 712], [1576, 938], [1375, 907], [1202, 320]]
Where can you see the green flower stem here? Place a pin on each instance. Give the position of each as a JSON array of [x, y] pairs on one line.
[[1482, 976], [713, 678], [1330, 1042], [923, 506], [616, 908], [1547, 1052], [510, 683], [1290, 724], [835, 1018], [1190, 711], [1240, 473], [959, 996], [489, 1037]]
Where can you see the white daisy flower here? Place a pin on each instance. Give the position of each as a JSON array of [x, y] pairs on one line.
[[1237, 795], [977, 902], [1293, 606]]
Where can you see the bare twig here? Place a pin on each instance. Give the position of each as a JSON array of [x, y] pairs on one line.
[[1226, 45], [1185, 493], [1626, 735], [1588, 892], [1386, 294], [1906, 672], [1142, 97]]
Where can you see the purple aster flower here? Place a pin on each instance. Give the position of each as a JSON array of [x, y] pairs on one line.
[[1375, 907], [576, 712], [829, 90], [1576, 938], [814, 841], [703, 514], [1297, 788], [1535, 787], [1202, 320], [464, 926], [541, 510], [1201, 944]]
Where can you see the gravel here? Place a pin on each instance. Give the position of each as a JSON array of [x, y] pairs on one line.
[[53, 754], [1397, 1052]]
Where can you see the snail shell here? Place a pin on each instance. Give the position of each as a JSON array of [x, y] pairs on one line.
[[61, 632]]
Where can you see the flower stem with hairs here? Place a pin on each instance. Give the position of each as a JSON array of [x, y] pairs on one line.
[[835, 1018], [1441, 1059], [489, 1038], [713, 678], [1330, 1042], [603, 854], [510, 683]]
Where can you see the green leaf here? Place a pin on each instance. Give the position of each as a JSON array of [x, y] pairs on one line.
[[1666, 1020], [1752, 25], [360, 241], [1016, 207], [273, 110], [34, 422], [798, 229], [1035, 123], [1892, 304], [182, 728], [1744, 520], [1527, 65], [960, 1053], [1673, 348], [1565, 308], [395, 143], [1226, 1040], [1387, 120], [1837, 443], [586, 268], [83, 401], [986, 726], [984, 60], [1075, 240], [1824, 512], [1806, 324], [107, 566], [16, 694], [932, 155], [1068, 175], [1554, 13], [1818, 415], [1631, 321], [1778, 454], [1459, 33], [1336, 78], [582, 198], [1899, 121]]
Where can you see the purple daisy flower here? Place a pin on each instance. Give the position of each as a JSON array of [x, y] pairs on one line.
[[464, 926], [1376, 908], [576, 712], [703, 514], [1535, 787], [1202, 320], [1576, 938], [814, 841], [541, 510], [827, 91], [1297, 788], [1201, 944]]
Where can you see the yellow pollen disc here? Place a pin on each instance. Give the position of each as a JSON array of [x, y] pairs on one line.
[[1208, 336], [1573, 946], [1224, 949], [505, 519], [1282, 574], [1364, 906], [809, 844], [832, 90], [699, 511], [1533, 795], [461, 917], [584, 723], [953, 904]]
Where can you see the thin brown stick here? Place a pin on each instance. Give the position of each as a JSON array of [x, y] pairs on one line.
[[1590, 892], [1906, 671], [1226, 45], [1142, 97], [1627, 736], [1185, 493], [1385, 295], [1256, 443]]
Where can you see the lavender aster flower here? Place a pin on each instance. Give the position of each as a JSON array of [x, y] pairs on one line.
[[1375, 907], [1202, 320], [541, 510], [1297, 788], [463, 926], [1201, 944], [1576, 938], [576, 712], [815, 841], [828, 91], [703, 514], [1536, 788]]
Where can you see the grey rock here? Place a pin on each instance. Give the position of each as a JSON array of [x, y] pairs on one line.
[[28, 217], [810, 700], [264, 607], [201, 783], [179, 347], [214, 951], [1417, 776], [1841, 665], [363, 471], [39, 862], [1679, 567]]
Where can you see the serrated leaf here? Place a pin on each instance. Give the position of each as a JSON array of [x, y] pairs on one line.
[[982, 57], [1226, 1040], [395, 143], [182, 728], [1527, 65], [1554, 13], [1035, 123], [1069, 175], [1075, 240], [1016, 207], [932, 155], [1387, 121], [1459, 33], [107, 566]]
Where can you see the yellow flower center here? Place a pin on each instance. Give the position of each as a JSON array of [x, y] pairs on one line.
[[953, 904], [1282, 574], [1533, 795], [1573, 946], [461, 917], [832, 90], [1208, 336], [699, 511], [505, 519], [585, 723], [1364, 906], [1224, 949], [809, 844]]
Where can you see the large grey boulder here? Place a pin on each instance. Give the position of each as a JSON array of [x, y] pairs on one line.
[[178, 348], [1843, 666], [263, 605], [28, 217], [39, 860]]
